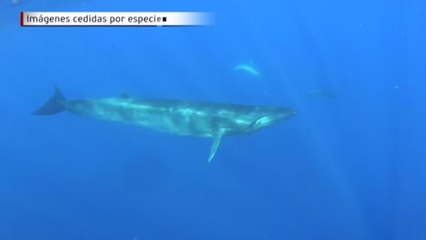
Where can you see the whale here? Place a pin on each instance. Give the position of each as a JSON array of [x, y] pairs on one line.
[[180, 117], [249, 68]]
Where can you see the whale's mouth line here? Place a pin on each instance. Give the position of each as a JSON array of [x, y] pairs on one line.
[[281, 116], [269, 119]]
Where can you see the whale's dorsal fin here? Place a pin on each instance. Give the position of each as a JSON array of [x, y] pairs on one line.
[[215, 146]]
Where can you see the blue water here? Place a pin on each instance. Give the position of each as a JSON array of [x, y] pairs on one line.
[[350, 165]]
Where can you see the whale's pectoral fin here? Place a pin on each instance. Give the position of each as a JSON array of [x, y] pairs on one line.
[[215, 146]]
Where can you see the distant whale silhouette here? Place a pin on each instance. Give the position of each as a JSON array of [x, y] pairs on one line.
[[213, 120], [323, 93], [249, 68]]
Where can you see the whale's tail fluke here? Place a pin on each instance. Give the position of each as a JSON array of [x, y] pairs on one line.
[[54, 105]]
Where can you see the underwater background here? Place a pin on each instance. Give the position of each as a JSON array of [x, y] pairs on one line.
[[350, 165]]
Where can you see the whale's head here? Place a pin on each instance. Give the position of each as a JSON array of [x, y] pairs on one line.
[[268, 116]]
